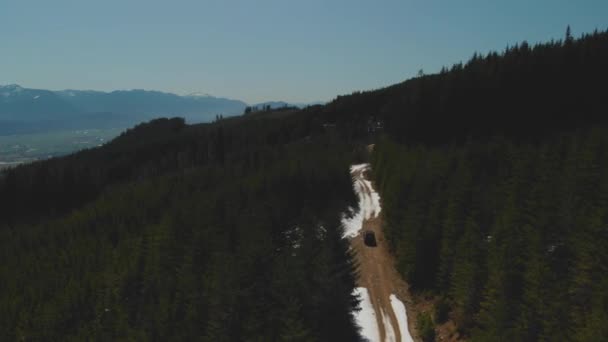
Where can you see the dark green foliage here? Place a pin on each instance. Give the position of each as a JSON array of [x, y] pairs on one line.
[[223, 232], [525, 92], [156, 148], [442, 310], [519, 230], [495, 192], [426, 327]]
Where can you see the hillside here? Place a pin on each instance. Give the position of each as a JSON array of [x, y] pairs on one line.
[[495, 192], [493, 206], [175, 231], [523, 93]]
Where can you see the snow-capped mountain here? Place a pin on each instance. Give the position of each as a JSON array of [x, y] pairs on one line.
[[26, 108], [198, 94], [10, 89], [23, 104], [147, 103]]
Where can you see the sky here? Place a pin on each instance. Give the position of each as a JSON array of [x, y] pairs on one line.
[[262, 50]]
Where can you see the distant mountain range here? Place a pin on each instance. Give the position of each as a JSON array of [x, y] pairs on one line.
[[29, 110], [148, 104]]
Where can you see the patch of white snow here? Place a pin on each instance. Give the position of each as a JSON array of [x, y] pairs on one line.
[[358, 167], [389, 332], [369, 204], [399, 310], [353, 224], [374, 205], [366, 317]]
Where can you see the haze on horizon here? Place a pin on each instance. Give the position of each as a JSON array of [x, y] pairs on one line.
[[296, 51]]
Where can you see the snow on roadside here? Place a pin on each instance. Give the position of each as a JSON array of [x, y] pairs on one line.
[[366, 317], [353, 224], [358, 167], [389, 332], [369, 204], [374, 205], [399, 310]]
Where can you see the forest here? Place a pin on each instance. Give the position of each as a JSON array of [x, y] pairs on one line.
[[494, 196], [500, 211], [512, 237], [216, 232]]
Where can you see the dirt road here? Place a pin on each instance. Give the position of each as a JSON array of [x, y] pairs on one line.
[[376, 267]]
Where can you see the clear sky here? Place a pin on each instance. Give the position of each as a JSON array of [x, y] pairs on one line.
[[257, 50]]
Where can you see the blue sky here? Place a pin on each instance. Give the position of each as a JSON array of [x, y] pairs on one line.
[[297, 51]]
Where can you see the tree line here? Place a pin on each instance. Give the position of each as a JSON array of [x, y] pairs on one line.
[[494, 189], [220, 232], [513, 237]]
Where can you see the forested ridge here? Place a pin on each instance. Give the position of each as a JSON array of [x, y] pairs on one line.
[[512, 237], [228, 231], [523, 93], [501, 211], [493, 182]]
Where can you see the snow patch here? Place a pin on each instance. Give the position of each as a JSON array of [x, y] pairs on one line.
[[369, 203], [352, 222], [198, 94], [400, 312], [374, 206], [366, 317], [358, 167], [389, 332]]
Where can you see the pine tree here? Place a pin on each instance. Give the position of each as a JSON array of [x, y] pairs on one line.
[[292, 327]]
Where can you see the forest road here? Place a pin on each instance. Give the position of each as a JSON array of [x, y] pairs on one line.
[[377, 272]]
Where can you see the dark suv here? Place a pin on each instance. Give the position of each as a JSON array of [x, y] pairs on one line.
[[369, 238]]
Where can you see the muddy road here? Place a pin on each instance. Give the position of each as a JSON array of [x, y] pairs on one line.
[[387, 292]]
